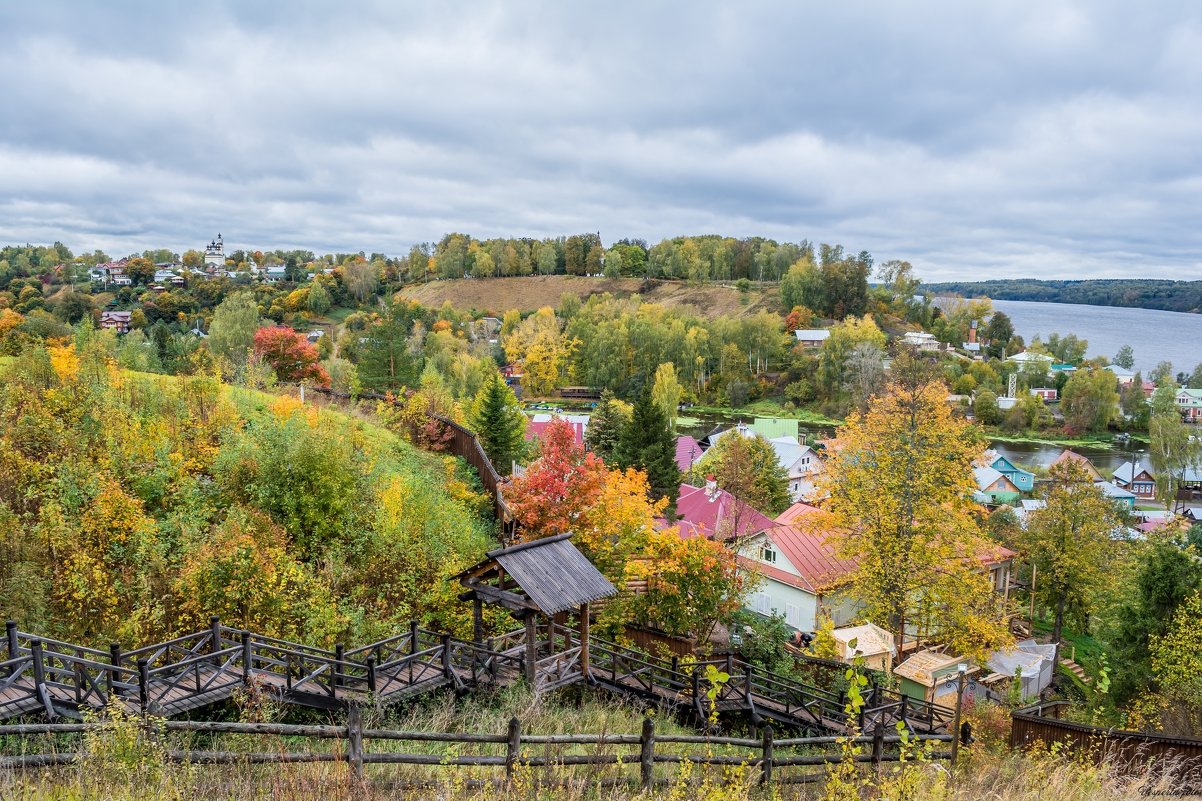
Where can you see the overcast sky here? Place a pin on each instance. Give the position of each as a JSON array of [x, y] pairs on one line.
[[1035, 139]]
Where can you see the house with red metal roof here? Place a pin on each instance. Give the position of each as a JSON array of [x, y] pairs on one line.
[[801, 570], [688, 451], [713, 512], [539, 422]]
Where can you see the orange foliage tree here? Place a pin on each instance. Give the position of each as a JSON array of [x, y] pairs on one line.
[[291, 356]]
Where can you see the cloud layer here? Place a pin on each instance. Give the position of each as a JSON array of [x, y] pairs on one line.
[[1045, 139]]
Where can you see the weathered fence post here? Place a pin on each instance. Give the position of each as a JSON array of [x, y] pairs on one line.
[[39, 665], [215, 638], [339, 656], [247, 657], [446, 656], [354, 741], [371, 674], [413, 627], [513, 748], [143, 685], [878, 744], [115, 660], [492, 659], [647, 754], [769, 755], [13, 646]]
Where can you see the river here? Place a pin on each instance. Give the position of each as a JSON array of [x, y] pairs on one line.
[[1153, 335]]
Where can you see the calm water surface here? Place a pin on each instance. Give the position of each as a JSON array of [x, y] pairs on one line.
[[1154, 335]]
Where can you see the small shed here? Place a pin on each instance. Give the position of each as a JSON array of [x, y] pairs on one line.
[[872, 642], [548, 578], [925, 676], [1034, 663]]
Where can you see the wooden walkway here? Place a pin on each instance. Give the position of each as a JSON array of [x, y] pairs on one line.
[[56, 679]]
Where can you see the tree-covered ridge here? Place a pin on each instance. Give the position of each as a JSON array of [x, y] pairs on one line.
[[134, 506], [1179, 296]]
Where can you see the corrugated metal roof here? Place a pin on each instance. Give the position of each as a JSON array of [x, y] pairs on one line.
[[553, 573]]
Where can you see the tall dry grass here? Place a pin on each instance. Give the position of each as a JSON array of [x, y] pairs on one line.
[[127, 766]]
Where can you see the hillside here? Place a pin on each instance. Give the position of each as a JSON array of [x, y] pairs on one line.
[[498, 295], [147, 503], [1179, 296]]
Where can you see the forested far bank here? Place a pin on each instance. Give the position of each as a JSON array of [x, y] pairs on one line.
[[1179, 296]]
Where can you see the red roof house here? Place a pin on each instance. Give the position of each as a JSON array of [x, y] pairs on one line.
[[712, 512], [688, 451]]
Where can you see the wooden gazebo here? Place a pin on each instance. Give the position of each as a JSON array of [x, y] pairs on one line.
[[547, 577]]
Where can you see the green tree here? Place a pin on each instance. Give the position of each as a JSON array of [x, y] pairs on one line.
[[384, 359], [606, 425], [1169, 572], [1090, 400], [747, 468], [1069, 542], [319, 299], [998, 333], [232, 332], [667, 392], [985, 408], [647, 444], [1171, 449], [1177, 664], [1125, 358], [499, 423]]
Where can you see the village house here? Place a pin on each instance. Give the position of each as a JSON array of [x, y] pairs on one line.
[[801, 571], [920, 340], [1023, 479], [116, 320], [1068, 456], [1117, 494], [994, 488], [1136, 478], [812, 337], [714, 513], [1123, 376], [802, 466], [1026, 357], [1047, 394], [1189, 403], [688, 451], [539, 422]]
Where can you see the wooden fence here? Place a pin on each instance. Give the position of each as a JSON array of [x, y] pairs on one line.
[[761, 751], [1128, 751]]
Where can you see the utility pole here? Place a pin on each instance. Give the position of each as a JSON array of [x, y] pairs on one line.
[[1032, 593], [961, 675]]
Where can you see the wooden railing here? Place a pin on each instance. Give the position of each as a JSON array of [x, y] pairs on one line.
[[1128, 751], [762, 753]]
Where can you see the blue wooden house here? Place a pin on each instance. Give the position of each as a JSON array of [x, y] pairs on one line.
[[1023, 479]]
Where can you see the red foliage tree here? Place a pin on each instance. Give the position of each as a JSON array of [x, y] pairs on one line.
[[291, 356], [559, 487]]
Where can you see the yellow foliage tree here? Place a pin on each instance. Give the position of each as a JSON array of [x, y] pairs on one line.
[[900, 483]]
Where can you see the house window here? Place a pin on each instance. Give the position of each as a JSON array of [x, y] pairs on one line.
[[793, 615], [769, 554]]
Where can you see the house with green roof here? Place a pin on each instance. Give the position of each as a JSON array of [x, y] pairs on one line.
[[1189, 403], [771, 428]]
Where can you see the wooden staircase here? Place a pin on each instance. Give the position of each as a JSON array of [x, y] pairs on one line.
[[56, 679], [1076, 670]]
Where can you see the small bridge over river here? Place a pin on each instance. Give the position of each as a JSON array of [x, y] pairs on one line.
[[52, 678]]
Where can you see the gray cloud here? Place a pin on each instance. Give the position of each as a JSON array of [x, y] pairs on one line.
[[1043, 139]]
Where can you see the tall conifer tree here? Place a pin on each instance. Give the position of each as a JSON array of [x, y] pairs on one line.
[[647, 444], [499, 423]]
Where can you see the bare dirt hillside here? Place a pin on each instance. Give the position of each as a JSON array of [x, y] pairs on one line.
[[497, 295]]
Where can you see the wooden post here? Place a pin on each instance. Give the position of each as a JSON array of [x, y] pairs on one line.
[[247, 657], [39, 666], [878, 743], [446, 656], [371, 674], [354, 741], [492, 659], [215, 638], [115, 660], [647, 754], [143, 685], [513, 748], [13, 645], [413, 627], [766, 766], [551, 633], [477, 621], [336, 669], [962, 671], [1032, 594], [584, 657], [531, 649]]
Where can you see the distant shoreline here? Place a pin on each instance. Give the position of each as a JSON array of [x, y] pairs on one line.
[[1127, 293]]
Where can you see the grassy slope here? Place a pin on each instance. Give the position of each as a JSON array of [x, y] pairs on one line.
[[497, 295]]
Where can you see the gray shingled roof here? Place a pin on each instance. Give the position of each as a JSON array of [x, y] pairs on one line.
[[553, 573]]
